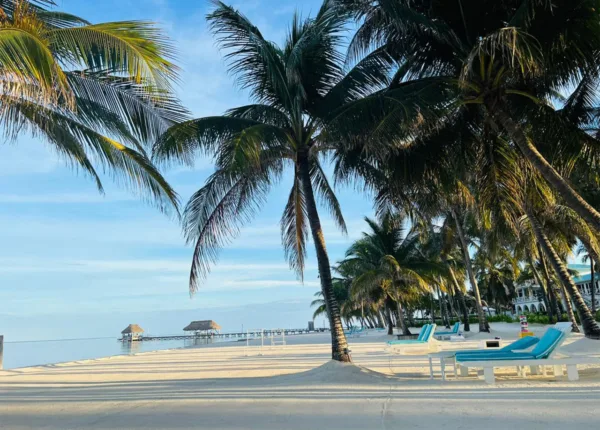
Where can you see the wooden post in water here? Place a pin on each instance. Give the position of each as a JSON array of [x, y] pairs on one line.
[[1, 350]]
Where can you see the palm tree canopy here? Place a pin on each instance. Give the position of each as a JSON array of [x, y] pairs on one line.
[[295, 88], [389, 260], [96, 92]]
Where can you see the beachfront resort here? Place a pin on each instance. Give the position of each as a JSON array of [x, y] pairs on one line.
[[391, 208]]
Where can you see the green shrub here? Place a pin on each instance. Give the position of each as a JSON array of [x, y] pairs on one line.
[[501, 318], [538, 319]]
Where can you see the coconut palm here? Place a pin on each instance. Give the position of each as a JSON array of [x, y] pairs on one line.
[[390, 262], [550, 224], [497, 64], [95, 92], [497, 272], [295, 89]]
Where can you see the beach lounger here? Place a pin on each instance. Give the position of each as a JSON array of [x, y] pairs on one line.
[[447, 334], [450, 356], [424, 341], [355, 331], [542, 355]]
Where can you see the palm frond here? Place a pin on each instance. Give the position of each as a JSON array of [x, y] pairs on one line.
[[27, 60], [294, 229], [148, 112], [137, 49], [214, 214], [207, 135], [326, 195], [73, 137], [256, 63]]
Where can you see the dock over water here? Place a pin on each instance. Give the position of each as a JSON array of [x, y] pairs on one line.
[[241, 335]]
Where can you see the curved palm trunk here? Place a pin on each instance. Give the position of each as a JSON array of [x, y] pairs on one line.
[[543, 289], [443, 308], [549, 283], [339, 345], [570, 196], [380, 322], [594, 261], [451, 296], [401, 320], [410, 316], [590, 327], [593, 289], [461, 301], [483, 324], [388, 317], [569, 310]]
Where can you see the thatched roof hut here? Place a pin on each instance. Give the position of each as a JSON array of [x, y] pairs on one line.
[[133, 329], [202, 326]]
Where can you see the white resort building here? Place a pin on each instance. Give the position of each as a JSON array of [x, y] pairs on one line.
[[529, 299]]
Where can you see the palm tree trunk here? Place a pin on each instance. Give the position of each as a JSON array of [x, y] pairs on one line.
[[388, 316], [593, 286], [453, 313], [380, 320], [590, 327], [339, 345], [461, 301], [483, 324], [432, 310], [551, 290], [410, 317], [569, 309], [401, 320], [570, 196], [443, 309], [543, 289]]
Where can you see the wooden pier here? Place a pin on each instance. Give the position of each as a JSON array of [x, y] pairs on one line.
[[250, 334]]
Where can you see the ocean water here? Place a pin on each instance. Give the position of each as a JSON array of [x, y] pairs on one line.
[[34, 353]]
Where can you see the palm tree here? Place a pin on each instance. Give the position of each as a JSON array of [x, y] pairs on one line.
[[500, 68], [390, 262], [96, 92], [591, 256], [296, 88], [497, 270]]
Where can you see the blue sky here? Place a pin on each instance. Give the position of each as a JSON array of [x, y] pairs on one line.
[[70, 255]]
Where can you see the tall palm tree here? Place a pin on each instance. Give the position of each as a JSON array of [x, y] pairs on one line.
[[496, 63], [96, 92], [296, 88], [390, 261]]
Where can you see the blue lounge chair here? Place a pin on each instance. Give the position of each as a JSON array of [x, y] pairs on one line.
[[546, 345], [541, 355], [424, 341], [424, 336], [452, 332], [518, 345]]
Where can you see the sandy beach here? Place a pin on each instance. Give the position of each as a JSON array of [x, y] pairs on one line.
[[296, 386]]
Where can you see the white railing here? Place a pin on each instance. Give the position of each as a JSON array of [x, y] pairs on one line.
[[525, 299]]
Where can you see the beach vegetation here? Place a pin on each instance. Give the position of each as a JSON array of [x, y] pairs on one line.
[[97, 93]]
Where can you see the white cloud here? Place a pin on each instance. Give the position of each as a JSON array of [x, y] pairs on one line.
[[139, 265]]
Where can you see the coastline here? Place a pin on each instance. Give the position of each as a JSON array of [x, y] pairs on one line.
[[295, 386]]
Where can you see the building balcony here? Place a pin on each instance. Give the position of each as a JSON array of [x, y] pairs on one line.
[[526, 299]]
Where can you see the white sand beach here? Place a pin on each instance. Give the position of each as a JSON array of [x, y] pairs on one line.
[[296, 386]]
